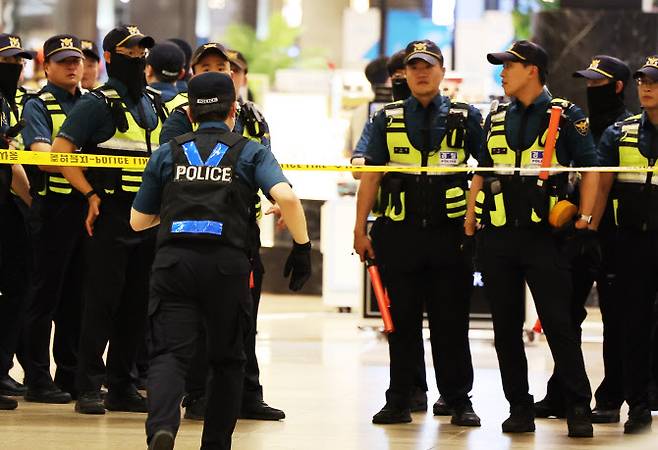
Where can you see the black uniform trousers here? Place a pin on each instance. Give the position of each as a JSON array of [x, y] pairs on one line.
[[14, 278], [506, 257], [191, 284], [610, 393], [115, 296], [197, 378], [638, 280], [425, 264], [57, 229]]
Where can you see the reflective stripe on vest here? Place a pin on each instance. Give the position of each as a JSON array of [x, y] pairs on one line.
[[179, 100], [132, 140], [402, 153], [54, 182], [629, 153]]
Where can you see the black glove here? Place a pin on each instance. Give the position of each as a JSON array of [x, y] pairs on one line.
[[299, 263]]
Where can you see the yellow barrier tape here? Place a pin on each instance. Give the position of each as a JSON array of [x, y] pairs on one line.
[[133, 162]]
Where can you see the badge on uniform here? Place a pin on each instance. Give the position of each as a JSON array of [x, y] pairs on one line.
[[536, 157], [401, 150], [499, 151], [582, 126]]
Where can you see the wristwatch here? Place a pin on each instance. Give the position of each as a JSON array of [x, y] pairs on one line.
[[585, 217], [90, 193]]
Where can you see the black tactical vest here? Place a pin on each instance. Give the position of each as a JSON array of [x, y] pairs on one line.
[[206, 199]]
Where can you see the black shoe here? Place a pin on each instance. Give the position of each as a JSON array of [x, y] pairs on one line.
[[195, 408], [546, 408], [7, 403], [11, 387], [89, 403], [126, 401], [653, 400], [261, 411], [464, 416], [605, 414], [162, 440], [440, 408], [48, 394], [418, 401], [579, 422], [389, 415], [639, 421], [521, 420]]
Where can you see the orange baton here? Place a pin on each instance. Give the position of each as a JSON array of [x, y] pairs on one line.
[[551, 139], [381, 295]]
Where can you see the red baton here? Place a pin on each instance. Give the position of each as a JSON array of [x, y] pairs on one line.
[[381, 295]]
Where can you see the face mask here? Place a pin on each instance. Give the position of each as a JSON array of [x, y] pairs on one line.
[[604, 106], [401, 89], [130, 71], [9, 75]]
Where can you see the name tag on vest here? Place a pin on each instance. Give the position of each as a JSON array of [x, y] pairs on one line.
[[448, 158], [401, 150], [203, 173], [499, 151], [536, 156]]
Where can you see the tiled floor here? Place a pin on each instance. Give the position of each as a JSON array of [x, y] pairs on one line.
[[329, 375]]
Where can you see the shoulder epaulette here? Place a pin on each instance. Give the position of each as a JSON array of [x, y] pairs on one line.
[[47, 96], [459, 108], [497, 107], [633, 119]]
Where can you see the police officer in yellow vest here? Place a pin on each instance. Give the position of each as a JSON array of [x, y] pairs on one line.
[[56, 221], [119, 118], [14, 263], [634, 143], [516, 243], [417, 238]]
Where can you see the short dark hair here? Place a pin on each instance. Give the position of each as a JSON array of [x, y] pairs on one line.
[[396, 62], [376, 72], [542, 73], [218, 113]]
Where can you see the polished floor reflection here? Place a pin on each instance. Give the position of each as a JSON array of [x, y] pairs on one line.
[[328, 371]]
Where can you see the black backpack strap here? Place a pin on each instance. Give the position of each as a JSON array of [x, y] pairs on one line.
[[156, 97], [456, 124], [183, 138]]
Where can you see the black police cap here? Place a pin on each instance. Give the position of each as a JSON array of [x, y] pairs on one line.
[[126, 36], [523, 52], [210, 47], [185, 48], [166, 58], [10, 45], [426, 50], [237, 58], [649, 69], [208, 90], [62, 46], [90, 49], [605, 67]]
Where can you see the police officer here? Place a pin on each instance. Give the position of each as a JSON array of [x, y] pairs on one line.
[[213, 57], [633, 142], [56, 228], [13, 236], [116, 119], [200, 187], [181, 84], [164, 66], [606, 79], [516, 242], [92, 65], [417, 239]]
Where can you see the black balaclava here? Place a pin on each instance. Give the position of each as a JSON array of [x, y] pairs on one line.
[[9, 75], [130, 71], [604, 106], [401, 89]]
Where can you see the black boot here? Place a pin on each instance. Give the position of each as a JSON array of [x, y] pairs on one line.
[[89, 403], [579, 421], [639, 421], [195, 408], [260, 410], [605, 413], [440, 408], [162, 440], [464, 416], [418, 401], [389, 415], [547, 408], [521, 420], [47, 394], [127, 401], [11, 387], [7, 403]]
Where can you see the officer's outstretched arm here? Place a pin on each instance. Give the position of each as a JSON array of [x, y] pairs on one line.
[[365, 200], [470, 223], [140, 221], [291, 211]]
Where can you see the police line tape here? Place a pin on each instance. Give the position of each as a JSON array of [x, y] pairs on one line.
[[135, 162]]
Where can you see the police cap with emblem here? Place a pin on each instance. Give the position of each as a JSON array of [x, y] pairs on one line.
[[90, 49], [10, 45], [166, 59], [62, 46], [210, 47], [605, 67], [208, 90], [237, 58], [524, 52], [426, 50], [126, 36], [649, 69]]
